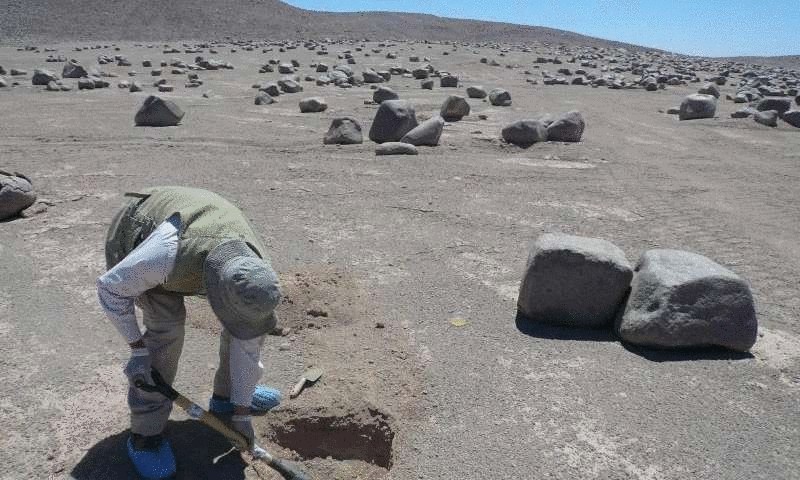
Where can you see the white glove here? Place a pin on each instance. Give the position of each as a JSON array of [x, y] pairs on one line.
[[244, 425], [139, 366]]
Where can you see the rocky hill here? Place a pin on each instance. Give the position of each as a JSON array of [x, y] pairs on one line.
[[151, 20]]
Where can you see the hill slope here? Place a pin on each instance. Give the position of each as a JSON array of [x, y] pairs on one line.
[[151, 20]]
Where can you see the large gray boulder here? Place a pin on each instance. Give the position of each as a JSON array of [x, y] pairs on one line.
[[525, 133], [681, 299], [157, 112], [396, 148], [476, 92], [16, 194], [574, 281], [392, 121], [698, 106], [73, 69], [426, 133], [768, 118], [381, 94], [454, 108], [500, 98], [344, 131], [313, 105], [780, 105], [567, 127], [792, 117], [43, 77]]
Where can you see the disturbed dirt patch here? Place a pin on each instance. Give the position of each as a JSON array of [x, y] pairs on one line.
[[363, 433]]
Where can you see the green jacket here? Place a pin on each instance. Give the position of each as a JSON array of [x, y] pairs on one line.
[[207, 220]]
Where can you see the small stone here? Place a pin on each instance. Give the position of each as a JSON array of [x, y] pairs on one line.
[[500, 98], [313, 105], [566, 128], [454, 108], [767, 117], [396, 148]]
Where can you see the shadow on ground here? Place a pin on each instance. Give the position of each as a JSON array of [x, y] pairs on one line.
[[686, 354], [195, 446], [556, 332]]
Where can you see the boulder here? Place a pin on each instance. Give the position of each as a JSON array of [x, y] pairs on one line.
[[344, 131], [43, 77], [286, 68], [392, 121], [574, 281], [709, 89], [313, 105], [681, 299], [396, 148], [448, 81], [371, 76], [454, 108], [86, 84], [792, 117], [73, 69], [271, 89], [263, 98], [287, 85], [156, 112], [567, 127], [381, 94], [427, 84], [767, 117], [476, 92], [135, 87], [780, 105], [16, 194], [698, 106], [500, 98], [743, 113], [525, 133], [426, 133]]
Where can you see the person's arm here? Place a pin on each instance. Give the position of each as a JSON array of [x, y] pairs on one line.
[[144, 268]]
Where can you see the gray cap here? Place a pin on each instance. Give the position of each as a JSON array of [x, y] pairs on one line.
[[242, 289]]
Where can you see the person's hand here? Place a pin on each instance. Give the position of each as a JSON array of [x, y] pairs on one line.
[[139, 366], [244, 425]]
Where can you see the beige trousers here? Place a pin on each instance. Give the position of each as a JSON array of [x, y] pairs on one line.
[[164, 318]]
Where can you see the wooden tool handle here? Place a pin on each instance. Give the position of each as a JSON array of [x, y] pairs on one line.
[[197, 413], [298, 388]]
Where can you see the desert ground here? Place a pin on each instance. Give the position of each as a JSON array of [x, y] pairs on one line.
[[400, 274]]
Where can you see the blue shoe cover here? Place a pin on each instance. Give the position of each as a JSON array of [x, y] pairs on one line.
[[153, 464], [264, 399]]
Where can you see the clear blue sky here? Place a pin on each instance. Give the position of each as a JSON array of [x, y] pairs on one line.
[[694, 27]]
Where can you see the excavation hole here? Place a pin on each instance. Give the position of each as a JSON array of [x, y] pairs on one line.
[[365, 436]]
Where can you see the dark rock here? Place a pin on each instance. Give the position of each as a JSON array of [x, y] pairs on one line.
[[371, 76], [680, 299], [382, 94], [393, 120], [567, 128], [426, 133], [525, 133], [698, 106], [476, 92], [792, 117], [500, 98], [73, 69], [709, 89], [780, 105], [263, 98], [454, 108], [287, 85], [427, 84], [344, 131], [313, 105], [156, 112], [574, 281], [16, 194], [743, 113], [43, 77], [448, 81]]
